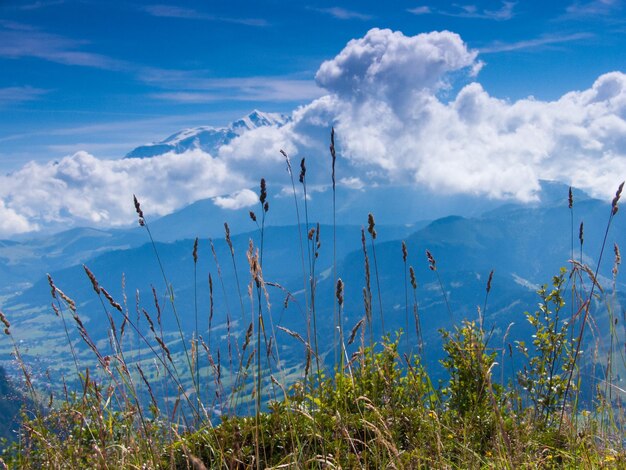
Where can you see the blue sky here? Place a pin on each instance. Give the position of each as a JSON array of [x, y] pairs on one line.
[[105, 76], [478, 97]]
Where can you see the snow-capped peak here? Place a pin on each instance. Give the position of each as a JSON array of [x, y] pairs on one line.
[[259, 119], [208, 138]]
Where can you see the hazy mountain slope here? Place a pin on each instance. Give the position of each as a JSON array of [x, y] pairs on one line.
[[525, 245]]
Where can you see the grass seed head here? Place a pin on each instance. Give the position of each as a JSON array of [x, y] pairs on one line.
[[263, 192], [53, 289], [109, 297], [333, 154], [432, 264], [227, 237], [318, 242], [581, 233], [370, 225], [570, 198], [139, 211], [489, 281], [340, 292], [248, 336], [302, 171], [618, 194], [287, 160], [92, 278], [6, 323], [355, 330]]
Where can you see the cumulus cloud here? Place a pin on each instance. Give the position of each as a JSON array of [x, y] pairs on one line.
[[12, 223], [391, 66], [479, 144], [393, 126], [82, 189], [237, 200], [397, 122]]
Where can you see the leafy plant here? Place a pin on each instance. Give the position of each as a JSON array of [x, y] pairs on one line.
[[551, 356]]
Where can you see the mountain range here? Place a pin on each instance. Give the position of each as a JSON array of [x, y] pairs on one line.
[[469, 236]]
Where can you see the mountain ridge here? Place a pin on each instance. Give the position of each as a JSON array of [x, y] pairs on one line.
[[208, 138]]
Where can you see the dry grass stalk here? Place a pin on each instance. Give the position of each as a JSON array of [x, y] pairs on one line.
[[302, 171], [339, 292], [149, 387], [355, 330], [164, 348], [112, 301], [370, 225], [581, 230], [150, 323], [92, 278], [229, 242], [432, 264], [6, 323], [618, 194], [139, 211], [293, 334]]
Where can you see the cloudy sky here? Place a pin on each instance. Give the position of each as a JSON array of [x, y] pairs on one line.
[[482, 97]]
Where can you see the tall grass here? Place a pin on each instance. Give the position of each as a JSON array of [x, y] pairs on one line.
[[374, 406]]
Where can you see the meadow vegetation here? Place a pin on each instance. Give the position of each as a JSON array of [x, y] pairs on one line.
[[355, 401]]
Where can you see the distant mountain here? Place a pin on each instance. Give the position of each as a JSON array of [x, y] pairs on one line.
[[24, 261], [419, 204], [525, 245], [27, 258], [206, 138]]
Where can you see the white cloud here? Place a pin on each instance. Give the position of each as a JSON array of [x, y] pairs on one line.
[[12, 223], [172, 11], [391, 66], [423, 10], [593, 8], [82, 189], [352, 182], [17, 41], [237, 200], [393, 126], [479, 144], [505, 12], [396, 129], [344, 14], [261, 89], [19, 94], [545, 40]]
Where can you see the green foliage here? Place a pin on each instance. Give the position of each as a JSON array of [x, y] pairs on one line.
[[381, 411], [544, 377], [471, 394]]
